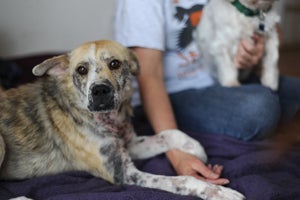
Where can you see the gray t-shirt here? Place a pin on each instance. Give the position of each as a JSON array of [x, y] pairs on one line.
[[166, 25]]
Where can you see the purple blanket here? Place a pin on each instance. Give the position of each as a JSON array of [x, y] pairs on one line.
[[253, 169]]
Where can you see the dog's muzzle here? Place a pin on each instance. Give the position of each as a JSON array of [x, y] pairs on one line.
[[101, 97]]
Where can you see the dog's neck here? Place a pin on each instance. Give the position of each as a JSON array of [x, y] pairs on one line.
[[114, 124], [248, 10]]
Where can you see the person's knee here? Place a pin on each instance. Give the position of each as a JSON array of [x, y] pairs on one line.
[[263, 115]]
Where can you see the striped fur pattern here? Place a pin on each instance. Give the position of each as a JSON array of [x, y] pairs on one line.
[[77, 117]]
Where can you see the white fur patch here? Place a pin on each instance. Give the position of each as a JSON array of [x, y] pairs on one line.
[[219, 33]]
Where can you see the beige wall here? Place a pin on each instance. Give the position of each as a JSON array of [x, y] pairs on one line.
[[42, 26]]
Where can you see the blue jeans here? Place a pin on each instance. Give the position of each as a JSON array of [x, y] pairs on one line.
[[248, 112]]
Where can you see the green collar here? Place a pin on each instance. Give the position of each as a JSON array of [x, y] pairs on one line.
[[243, 9]]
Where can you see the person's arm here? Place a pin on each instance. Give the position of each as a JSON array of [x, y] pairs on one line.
[[154, 96], [158, 108]]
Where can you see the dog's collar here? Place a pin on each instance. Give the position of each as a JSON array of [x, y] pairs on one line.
[[246, 11]]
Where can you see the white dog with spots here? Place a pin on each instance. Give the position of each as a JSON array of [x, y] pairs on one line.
[[78, 118], [224, 24]]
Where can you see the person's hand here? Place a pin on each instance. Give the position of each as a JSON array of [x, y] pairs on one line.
[[250, 52], [189, 165]]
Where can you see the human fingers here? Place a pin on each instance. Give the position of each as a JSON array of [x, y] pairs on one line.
[[249, 46], [258, 39], [192, 166], [243, 58], [260, 42], [219, 181], [218, 169], [206, 171], [250, 52]]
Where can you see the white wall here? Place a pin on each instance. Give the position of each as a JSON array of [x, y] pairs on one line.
[[44, 26]]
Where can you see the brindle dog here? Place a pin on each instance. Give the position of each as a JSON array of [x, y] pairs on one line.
[[78, 118]]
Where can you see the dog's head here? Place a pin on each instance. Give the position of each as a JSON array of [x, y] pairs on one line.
[[258, 4], [98, 73]]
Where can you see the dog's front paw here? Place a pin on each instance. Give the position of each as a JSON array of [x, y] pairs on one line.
[[193, 147], [270, 76], [227, 73], [233, 83], [270, 82], [179, 140], [229, 82], [215, 192]]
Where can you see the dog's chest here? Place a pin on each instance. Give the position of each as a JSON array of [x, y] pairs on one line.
[[113, 125]]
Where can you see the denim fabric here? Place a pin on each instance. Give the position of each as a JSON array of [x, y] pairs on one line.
[[248, 112], [289, 95]]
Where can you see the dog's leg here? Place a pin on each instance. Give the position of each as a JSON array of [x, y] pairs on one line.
[[270, 71], [124, 172], [227, 72], [183, 185], [148, 146], [121, 168], [214, 44]]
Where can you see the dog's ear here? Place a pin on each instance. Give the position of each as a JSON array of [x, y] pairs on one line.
[[133, 63], [55, 66]]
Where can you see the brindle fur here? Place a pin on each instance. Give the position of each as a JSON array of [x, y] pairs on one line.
[[62, 122]]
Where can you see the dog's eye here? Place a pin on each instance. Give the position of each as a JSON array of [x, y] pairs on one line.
[[114, 64], [82, 70]]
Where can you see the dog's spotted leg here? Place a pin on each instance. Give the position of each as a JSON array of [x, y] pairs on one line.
[[149, 146], [122, 169], [183, 185]]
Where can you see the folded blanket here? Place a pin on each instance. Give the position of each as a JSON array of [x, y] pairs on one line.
[[253, 168]]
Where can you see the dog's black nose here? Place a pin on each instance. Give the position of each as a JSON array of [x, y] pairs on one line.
[[101, 90], [101, 97]]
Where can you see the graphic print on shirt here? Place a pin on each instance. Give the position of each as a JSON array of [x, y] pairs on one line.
[[188, 52], [192, 17]]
